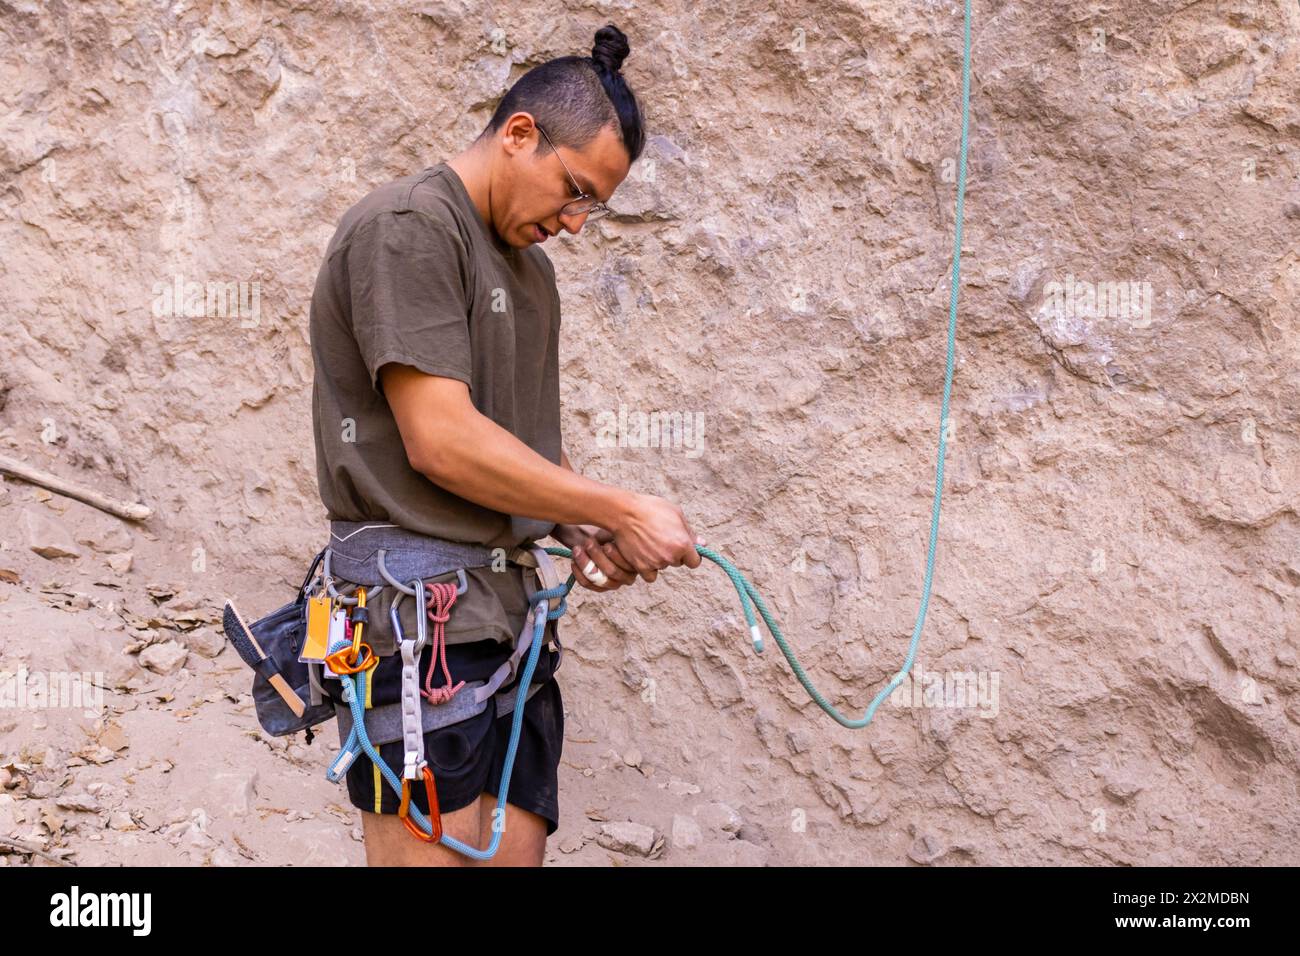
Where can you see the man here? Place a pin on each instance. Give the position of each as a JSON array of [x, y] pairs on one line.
[[434, 326]]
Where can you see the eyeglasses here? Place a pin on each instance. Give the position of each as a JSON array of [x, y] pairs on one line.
[[584, 204]]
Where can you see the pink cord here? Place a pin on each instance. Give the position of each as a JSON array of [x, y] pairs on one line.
[[443, 596]]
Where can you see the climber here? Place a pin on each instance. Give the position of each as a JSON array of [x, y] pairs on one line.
[[434, 332]]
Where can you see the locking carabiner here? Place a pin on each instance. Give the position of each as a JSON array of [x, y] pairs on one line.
[[359, 616]]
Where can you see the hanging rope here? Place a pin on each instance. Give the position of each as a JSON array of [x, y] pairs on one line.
[[749, 596]]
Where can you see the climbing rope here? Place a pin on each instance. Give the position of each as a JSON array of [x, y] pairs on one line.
[[442, 597], [749, 596]]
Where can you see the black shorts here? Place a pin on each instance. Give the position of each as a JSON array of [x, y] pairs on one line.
[[467, 758]]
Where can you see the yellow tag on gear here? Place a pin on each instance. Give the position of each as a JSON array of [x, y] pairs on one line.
[[319, 609]]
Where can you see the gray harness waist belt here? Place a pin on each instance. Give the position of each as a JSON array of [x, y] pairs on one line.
[[355, 556]]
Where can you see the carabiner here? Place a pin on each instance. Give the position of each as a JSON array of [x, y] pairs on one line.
[[358, 625], [395, 619], [435, 815], [350, 660]]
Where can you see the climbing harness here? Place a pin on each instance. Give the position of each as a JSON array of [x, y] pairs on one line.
[[415, 769], [379, 557], [367, 558]]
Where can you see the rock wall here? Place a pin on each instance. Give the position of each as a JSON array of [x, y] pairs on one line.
[[1118, 565]]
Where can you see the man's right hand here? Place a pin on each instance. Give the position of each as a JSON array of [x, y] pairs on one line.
[[653, 535]]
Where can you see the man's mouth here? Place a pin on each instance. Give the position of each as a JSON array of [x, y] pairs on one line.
[[539, 233]]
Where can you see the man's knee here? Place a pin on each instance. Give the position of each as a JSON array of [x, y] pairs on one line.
[[523, 837]]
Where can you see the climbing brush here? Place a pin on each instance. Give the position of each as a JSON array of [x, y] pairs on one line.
[[241, 636]]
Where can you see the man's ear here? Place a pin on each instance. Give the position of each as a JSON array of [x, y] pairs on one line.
[[519, 133]]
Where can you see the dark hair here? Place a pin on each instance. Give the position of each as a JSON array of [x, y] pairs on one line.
[[575, 97]]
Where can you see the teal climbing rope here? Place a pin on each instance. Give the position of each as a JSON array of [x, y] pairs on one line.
[[749, 596]]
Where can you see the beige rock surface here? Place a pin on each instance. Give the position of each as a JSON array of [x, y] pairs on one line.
[[1118, 568]]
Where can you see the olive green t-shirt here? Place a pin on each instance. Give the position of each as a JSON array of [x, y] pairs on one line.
[[413, 275]]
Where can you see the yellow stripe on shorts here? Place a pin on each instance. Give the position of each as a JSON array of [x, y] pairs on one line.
[[379, 778]]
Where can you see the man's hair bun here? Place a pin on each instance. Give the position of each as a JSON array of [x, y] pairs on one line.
[[610, 49], [575, 97]]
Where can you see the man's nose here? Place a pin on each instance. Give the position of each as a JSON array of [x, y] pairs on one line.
[[568, 222]]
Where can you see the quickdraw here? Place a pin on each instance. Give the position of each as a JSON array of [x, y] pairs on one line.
[[435, 815]]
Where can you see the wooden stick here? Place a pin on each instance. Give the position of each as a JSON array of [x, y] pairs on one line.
[[24, 847], [129, 511]]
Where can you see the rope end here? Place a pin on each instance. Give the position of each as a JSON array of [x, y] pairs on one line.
[[340, 766], [757, 638]]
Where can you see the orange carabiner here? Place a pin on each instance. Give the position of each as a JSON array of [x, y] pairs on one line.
[[340, 664], [435, 816]]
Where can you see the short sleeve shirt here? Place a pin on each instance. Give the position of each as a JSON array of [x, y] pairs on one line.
[[413, 275]]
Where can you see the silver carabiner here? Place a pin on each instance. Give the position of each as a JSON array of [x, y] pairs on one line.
[[421, 622]]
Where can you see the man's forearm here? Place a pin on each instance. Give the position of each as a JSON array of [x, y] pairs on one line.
[[481, 462]]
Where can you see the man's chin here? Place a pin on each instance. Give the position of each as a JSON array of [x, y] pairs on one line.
[[515, 238]]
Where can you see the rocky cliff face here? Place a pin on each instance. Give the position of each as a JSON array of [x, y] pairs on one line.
[[1109, 669]]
